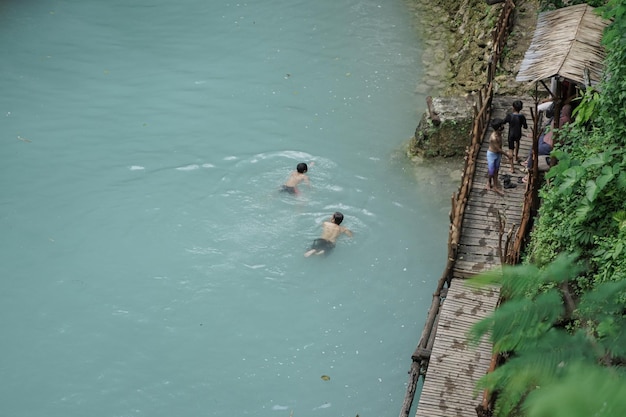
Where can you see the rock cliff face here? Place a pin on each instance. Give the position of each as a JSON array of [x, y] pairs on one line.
[[457, 36], [457, 44]]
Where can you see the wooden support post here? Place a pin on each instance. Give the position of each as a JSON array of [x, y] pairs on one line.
[[533, 179], [414, 374]]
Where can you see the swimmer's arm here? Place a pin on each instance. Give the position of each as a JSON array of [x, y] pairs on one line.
[[347, 232], [306, 177]]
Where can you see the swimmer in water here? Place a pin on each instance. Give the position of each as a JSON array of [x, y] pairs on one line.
[[330, 232], [295, 178]]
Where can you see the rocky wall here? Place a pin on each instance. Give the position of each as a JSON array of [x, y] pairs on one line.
[[457, 38]]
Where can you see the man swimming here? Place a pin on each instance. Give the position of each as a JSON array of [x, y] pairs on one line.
[[330, 232], [295, 178]]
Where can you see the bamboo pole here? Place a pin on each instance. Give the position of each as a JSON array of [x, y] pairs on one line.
[[482, 113], [414, 374]]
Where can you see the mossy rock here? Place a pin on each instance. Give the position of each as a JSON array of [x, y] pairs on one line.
[[448, 139]]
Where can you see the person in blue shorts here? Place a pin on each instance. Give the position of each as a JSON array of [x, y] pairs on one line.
[[494, 156], [331, 230]]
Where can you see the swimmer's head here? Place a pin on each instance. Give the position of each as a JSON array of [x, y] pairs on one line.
[[337, 217], [517, 105], [302, 168], [497, 124]]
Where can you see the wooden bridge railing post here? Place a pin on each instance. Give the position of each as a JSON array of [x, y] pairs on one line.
[[482, 114]]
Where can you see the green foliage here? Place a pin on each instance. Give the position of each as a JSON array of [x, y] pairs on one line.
[[545, 355], [583, 207], [584, 391], [613, 97], [587, 109]]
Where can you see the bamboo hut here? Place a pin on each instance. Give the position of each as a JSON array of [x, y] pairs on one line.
[[567, 45]]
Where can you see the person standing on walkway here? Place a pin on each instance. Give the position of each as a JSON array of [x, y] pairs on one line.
[[516, 121], [494, 156]]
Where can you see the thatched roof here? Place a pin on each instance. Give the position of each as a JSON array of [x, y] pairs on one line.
[[566, 42]]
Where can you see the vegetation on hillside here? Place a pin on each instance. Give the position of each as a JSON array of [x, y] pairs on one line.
[[562, 328]]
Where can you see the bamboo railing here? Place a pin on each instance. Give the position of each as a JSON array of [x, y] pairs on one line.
[[482, 114]]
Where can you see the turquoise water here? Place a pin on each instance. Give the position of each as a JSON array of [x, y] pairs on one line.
[[149, 265]]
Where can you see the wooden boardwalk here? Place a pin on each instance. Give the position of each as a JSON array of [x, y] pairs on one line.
[[478, 246], [454, 367]]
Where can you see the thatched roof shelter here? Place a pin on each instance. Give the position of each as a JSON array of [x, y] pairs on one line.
[[566, 43]]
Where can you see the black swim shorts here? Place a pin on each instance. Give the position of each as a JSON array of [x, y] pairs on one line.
[[290, 190], [322, 244], [512, 141]]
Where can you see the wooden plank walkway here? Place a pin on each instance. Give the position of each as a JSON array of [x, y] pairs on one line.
[[449, 388], [454, 365], [478, 245]]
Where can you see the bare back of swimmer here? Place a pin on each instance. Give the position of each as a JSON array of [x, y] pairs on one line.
[[331, 230], [295, 178]]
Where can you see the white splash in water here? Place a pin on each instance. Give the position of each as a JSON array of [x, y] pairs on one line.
[[188, 167]]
